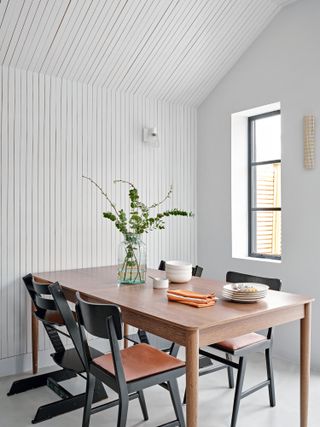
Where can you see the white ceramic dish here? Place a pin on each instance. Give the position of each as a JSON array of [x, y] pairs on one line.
[[248, 295], [241, 300], [160, 283], [241, 287], [182, 278], [178, 265], [178, 271], [243, 292]]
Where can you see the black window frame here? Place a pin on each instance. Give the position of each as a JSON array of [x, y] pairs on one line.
[[251, 164]]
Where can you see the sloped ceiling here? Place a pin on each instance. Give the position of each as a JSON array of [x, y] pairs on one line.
[[175, 50]]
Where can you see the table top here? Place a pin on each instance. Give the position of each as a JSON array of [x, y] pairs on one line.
[[101, 284]]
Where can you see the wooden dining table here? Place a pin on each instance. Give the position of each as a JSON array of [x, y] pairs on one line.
[[148, 309]]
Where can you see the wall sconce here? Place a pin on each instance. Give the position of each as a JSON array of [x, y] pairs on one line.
[[150, 136], [309, 141]]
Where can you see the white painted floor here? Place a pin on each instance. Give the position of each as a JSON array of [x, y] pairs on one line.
[[214, 410]]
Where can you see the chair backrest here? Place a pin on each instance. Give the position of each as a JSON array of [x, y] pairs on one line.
[[29, 285], [36, 291], [274, 284], [196, 271], [68, 317], [103, 321], [162, 265], [41, 302], [235, 277], [93, 317], [42, 305]]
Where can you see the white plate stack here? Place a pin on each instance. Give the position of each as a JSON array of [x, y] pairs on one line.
[[244, 292], [178, 271]]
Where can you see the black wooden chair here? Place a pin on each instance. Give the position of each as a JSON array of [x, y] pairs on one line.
[[68, 318], [243, 346], [128, 372], [69, 360], [142, 336]]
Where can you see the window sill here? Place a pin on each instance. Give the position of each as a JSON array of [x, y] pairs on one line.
[[249, 258]]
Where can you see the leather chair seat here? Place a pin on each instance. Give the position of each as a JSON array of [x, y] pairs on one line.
[[241, 341], [140, 361], [54, 317]]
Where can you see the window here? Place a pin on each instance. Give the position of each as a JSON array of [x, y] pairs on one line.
[[264, 196]]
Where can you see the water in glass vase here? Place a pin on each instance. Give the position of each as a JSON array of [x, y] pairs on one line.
[[132, 260]]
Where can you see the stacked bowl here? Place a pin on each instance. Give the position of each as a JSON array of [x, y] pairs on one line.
[[178, 271]]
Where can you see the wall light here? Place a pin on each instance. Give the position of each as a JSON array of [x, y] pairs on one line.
[[309, 141], [150, 136]]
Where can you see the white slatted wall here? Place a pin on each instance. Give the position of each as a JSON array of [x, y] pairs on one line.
[[51, 132], [175, 50]]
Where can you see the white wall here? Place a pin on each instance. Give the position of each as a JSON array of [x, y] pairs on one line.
[[282, 65], [52, 131]]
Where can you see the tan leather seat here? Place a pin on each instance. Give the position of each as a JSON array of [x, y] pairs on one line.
[[53, 316], [140, 361], [241, 341]]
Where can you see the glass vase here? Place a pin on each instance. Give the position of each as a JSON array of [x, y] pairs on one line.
[[132, 260]]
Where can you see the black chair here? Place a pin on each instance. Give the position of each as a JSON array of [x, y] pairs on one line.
[[69, 360], [128, 372], [243, 346], [142, 336]]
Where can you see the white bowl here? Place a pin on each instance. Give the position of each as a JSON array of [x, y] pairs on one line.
[[160, 283], [178, 266], [178, 271], [179, 277]]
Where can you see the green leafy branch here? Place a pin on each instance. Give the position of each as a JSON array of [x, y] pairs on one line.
[[139, 220]]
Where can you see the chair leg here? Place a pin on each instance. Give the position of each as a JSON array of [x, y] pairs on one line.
[[91, 381], [143, 405], [99, 392], [123, 410], [36, 381], [230, 372], [185, 397], [176, 401], [174, 350], [272, 395], [239, 385], [143, 336]]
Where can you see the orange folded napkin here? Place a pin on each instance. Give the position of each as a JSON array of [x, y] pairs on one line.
[[191, 298]]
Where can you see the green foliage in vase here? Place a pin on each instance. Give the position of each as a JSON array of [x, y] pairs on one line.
[[140, 218]]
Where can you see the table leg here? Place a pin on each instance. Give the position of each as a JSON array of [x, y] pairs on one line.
[[192, 376], [125, 333], [305, 348], [35, 341]]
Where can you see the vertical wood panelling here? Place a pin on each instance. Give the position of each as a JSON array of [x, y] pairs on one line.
[[53, 131], [171, 49]]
